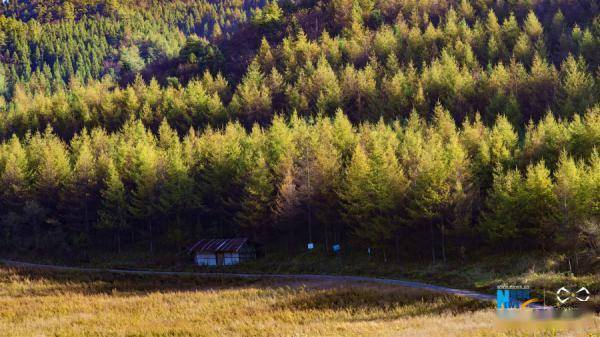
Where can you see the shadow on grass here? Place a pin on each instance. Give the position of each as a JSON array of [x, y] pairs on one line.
[[27, 282], [376, 303], [365, 302]]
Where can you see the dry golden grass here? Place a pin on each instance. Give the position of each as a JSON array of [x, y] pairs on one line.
[[71, 304]]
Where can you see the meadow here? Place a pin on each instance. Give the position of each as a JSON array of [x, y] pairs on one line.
[[62, 304]]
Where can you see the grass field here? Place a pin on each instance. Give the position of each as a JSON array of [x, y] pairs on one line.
[[36, 303], [479, 272]]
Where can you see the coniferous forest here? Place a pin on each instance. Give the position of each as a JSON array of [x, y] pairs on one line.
[[416, 128]]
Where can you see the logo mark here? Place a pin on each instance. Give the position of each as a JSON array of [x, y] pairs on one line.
[[563, 295], [513, 297]]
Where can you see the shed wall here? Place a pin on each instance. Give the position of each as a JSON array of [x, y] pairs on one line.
[[231, 259], [205, 259]]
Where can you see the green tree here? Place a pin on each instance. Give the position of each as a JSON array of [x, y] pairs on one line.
[[538, 219], [68, 11], [533, 27], [255, 213], [14, 191], [576, 88], [201, 52], [268, 17], [79, 197], [571, 206], [374, 186], [252, 100], [504, 204], [130, 59], [51, 171], [145, 176], [175, 191], [113, 212]]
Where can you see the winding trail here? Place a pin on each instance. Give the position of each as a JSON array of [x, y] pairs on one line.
[[331, 278]]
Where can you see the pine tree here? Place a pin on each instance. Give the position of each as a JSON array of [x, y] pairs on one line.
[[324, 89], [265, 56], [538, 219], [504, 204], [570, 206], [255, 213], [590, 226], [576, 87], [510, 31], [268, 17], [113, 212], [344, 137], [145, 175], [176, 190], [356, 197], [79, 197], [13, 176], [14, 191], [533, 27], [523, 50], [371, 194], [51, 172], [287, 205], [68, 11], [252, 99]]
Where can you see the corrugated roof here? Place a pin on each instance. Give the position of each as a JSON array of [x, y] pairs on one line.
[[219, 245]]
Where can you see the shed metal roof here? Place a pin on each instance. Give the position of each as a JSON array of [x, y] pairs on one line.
[[219, 245]]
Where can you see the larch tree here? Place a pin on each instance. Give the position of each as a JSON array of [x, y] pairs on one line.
[[14, 187], [257, 202], [145, 176], [570, 204], [252, 99], [537, 216], [176, 190], [79, 198], [576, 87], [113, 213]]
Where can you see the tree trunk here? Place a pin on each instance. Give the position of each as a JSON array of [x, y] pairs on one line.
[[397, 246], [443, 242], [118, 241], [432, 243], [87, 225], [326, 239], [179, 231], [151, 236]]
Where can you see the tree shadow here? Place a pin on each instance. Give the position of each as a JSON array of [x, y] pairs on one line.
[[368, 301], [371, 302], [23, 282]]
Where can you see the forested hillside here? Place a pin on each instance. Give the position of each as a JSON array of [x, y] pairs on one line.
[[417, 128]]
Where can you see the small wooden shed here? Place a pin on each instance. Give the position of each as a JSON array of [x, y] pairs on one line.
[[222, 252]]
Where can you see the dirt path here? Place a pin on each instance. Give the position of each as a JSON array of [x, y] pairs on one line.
[[328, 278]]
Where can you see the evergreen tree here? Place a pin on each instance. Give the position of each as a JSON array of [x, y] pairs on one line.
[[79, 197], [576, 87], [538, 219], [571, 205], [145, 176], [252, 100], [255, 213], [113, 213], [501, 221], [14, 187], [176, 190]]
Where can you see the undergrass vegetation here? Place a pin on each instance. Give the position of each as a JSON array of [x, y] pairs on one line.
[[65, 304]]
